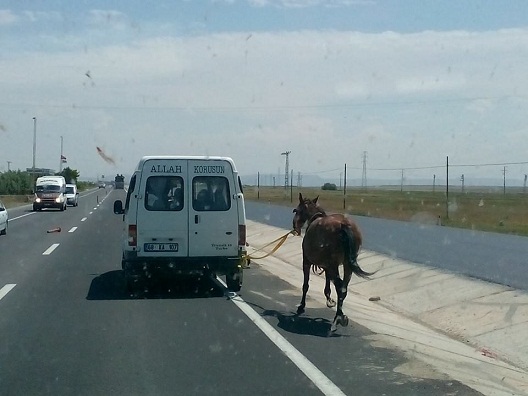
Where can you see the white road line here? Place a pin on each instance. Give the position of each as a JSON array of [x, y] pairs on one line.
[[50, 249], [308, 368], [24, 215], [6, 289], [73, 229], [84, 218], [90, 213]]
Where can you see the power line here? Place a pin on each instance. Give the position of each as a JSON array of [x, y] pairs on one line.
[[451, 165], [266, 108]]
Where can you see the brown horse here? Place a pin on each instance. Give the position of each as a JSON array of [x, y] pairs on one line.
[[330, 240]]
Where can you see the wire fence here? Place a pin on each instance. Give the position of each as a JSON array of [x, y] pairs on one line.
[[466, 176]]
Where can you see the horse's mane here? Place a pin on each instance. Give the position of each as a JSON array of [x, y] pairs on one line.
[[320, 210]]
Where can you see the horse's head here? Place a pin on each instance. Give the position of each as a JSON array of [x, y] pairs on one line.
[[306, 209]]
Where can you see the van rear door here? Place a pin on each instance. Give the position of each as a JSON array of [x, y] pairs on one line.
[[213, 220], [162, 212]]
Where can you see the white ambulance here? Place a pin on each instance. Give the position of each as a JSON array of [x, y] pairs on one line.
[[184, 214]]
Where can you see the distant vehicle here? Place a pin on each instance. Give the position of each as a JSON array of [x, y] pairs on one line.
[[119, 182], [184, 214], [102, 185], [4, 219], [72, 195], [50, 192]]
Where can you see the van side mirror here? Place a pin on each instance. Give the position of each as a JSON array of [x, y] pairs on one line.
[[118, 207]]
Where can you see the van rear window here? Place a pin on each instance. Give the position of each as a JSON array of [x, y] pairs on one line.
[[211, 193], [164, 193]]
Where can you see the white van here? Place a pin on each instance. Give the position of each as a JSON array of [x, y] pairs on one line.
[[185, 214], [50, 192]]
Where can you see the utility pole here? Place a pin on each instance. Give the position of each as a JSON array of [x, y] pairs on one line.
[[447, 187], [286, 170], [524, 187], [462, 180], [60, 165], [34, 146], [364, 175], [291, 187], [434, 182], [504, 180], [344, 188], [9, 166]]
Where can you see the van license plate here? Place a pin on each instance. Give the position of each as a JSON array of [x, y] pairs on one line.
[[161, 247]]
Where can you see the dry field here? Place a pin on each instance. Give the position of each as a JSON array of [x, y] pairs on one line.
[[11, 201], [479, 210]]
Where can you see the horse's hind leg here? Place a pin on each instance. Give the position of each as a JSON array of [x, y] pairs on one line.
[[306, 285], [330, 302], [342, 291]]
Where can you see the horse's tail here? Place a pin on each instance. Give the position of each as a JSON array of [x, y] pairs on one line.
[[351, 246]]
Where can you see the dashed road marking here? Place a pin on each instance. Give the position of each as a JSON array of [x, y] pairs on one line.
[[6, 289], [84, 218], [73, 229], [50, 249], [24, 215]]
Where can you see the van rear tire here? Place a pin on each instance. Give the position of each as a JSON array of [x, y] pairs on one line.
[[129, 281]]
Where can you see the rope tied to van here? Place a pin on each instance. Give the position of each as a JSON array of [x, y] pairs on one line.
[[279, 242]]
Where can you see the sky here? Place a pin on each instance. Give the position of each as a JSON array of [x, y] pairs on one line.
[[389, 88]]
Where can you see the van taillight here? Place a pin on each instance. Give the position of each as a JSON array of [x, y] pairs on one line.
[[132, 235], [241, 235]]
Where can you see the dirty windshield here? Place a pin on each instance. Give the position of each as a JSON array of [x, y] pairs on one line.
[[273, 197]]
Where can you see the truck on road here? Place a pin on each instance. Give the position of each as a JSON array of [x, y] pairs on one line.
[[119, 181]]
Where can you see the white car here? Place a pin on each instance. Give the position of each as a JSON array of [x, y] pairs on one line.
[[72, 195], [4, 219]]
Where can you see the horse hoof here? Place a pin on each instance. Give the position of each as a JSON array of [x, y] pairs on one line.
[[340, 320], [300, 310], [333, 328], [330, 303]]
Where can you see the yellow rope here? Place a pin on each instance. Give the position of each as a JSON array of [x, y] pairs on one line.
[[280, 241]]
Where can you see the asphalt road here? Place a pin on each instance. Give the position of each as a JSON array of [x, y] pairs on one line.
[[493, 257], [68, 327]]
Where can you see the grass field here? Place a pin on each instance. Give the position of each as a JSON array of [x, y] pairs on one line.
[[11, 201], [485, 211]]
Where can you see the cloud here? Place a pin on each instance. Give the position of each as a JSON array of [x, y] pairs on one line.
[[407, 99], [43, 16], [7, 17]]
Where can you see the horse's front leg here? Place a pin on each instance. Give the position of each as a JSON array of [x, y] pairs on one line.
[[330, 302], [306, 272]]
